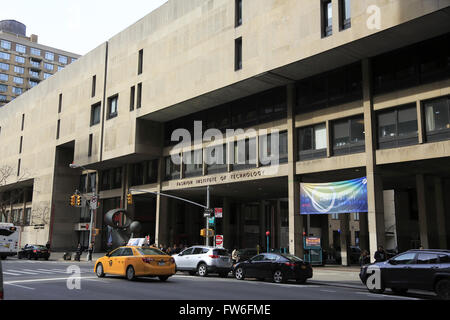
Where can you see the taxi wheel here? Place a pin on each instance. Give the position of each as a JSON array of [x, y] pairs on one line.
[[163, 278], [99, 271], [202, 270], [130, 273]]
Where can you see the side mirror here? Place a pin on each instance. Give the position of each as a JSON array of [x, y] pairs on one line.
[[391, 261]]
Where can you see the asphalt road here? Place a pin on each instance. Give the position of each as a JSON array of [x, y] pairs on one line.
[[52, 280]]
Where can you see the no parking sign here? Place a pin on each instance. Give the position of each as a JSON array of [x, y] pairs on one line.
[[219, 241]]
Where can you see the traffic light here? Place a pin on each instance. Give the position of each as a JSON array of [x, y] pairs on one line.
[[79, 201], [72, 200], [130, 198], [210, 233]]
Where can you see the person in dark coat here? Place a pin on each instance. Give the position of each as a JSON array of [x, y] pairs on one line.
[[364, 258], [79, 252], [48, 245], [90, 251], [380, 255]]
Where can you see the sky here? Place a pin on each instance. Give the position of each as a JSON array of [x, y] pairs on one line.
[[76, 26]]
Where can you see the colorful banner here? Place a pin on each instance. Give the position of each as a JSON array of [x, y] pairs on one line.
[[334, 197]]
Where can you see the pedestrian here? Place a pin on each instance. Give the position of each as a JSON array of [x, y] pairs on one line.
[[380, 254], [48, 245], [364, 258], [169, 250], [90, 251], [79, 251], [234, 255]]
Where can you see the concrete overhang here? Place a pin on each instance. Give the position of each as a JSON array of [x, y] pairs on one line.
[[425, 27]]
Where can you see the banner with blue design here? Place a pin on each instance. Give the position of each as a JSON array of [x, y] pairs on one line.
[[334, 197]]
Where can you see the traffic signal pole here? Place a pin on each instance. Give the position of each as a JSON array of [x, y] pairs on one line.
[[207, 218]]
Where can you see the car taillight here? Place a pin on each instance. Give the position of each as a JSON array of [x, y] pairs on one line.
[[213, 256], [34, 251], [290, 264], [147, 260]]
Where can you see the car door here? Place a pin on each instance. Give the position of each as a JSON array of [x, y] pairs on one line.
[[195, 257], [423, 271], [270, 265], [112, 266], [397, 271], [254, 267], [182, 260]]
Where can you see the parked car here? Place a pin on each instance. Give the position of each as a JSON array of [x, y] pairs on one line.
[[1, 282], [133, 261], [279, 267], [204, 260], [34, 252], [245, 254], [427, 270]]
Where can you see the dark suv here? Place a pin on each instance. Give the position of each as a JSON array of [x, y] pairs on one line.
[[427, 270], [1, 282]]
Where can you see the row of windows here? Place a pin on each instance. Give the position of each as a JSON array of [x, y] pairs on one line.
[[34, 51], [327, 16], [239, 154], [7, 56], [15, 90]]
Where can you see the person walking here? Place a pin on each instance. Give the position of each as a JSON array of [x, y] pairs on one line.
[[364, 258], [90, 251], [234, 256], [78, 253], [380, 254], [48, 245]]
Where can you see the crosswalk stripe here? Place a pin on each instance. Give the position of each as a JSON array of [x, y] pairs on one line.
[[39, 271], [24, 272], [11, 274]]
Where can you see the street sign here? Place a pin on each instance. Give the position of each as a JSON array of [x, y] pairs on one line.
[[208, 212], [212, 220], [218, 212], [219, 241]]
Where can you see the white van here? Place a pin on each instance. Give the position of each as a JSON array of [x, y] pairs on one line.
[[9, 240]]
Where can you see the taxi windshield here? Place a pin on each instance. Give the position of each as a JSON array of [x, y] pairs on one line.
[[150, 252]]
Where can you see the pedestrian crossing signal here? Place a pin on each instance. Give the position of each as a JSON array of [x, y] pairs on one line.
[[72, 200], [130, 198]]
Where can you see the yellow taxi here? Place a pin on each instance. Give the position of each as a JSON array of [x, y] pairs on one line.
[[133, 261]]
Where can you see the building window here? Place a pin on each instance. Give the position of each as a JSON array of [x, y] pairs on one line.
[[3, 98], [238, 10], [95, 113], [18, 80], [4, 66], [21, 48], [238, 54], [327, 18], [312, 142], [18, 167], [62, 59], [397, 127], [216, 159], [437, 119], [47, 75], [34, 63], [141, 61], [74, 59], [17, 91], [27, 218], [5, 44], [356, 216], [58, 128], [94, 83], [35, 52], [48, 66], [60, 68], [49, 56], [23, 122], [60, 103], [3, 77], [132, 94], [244, 154], [20, 59], [34, 74], [267, 154], [348, 136], [193, 163], [172, 170], [18, 69], [112, 106], [345, 18], [20, 144], [3, 88], [5, 56], [90, 145], [139, 96], [152, 171], [33, 83], [335, 216]]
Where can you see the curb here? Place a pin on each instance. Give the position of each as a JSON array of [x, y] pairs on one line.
[[333, 284]]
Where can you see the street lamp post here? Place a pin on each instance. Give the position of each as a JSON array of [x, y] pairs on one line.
[[91, 210]]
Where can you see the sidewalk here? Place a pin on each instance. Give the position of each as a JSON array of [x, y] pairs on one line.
[[58, 256], [341, 276]]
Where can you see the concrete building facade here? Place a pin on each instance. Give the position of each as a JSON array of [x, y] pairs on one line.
[[354, 89], [24, 63]]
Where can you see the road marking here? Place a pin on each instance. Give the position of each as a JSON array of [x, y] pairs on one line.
[[373, 295], [11, 274], [24, 272], [39, 271], [44, 280], [331, 291], [17, 285]]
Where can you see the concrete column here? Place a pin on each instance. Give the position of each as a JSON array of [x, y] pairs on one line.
[[295, 219], [440, 213], [226, 227], [422, 207], [162, 211], [344, 237], [262, 224], [375, 214]]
